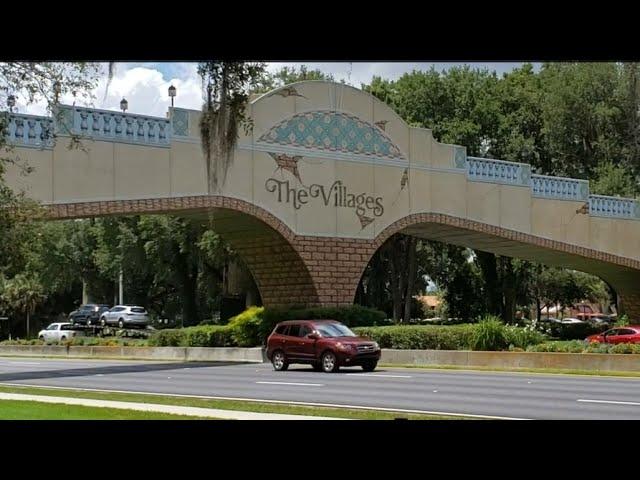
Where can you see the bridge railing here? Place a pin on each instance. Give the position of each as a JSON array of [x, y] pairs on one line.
[[559, 188], [30, 130], [616, 207], [113, 126], [498, 171]]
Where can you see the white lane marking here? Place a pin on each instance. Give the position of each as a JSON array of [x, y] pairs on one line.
[[435, 391], [378, 375], [291, 383], [25, 363], [99, 374], [585, 400], [260, 400]]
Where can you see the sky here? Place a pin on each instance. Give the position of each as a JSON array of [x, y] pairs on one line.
[[145, 85]]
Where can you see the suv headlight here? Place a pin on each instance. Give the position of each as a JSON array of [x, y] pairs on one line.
[[376, 346], [344, 347]]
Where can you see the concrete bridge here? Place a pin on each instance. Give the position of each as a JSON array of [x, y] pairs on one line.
[[326, 176]]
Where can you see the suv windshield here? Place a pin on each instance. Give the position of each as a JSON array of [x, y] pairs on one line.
[[334, 330]]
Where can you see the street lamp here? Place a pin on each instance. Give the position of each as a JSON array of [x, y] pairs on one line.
[[11, 102], [124, 105], [172, 93]]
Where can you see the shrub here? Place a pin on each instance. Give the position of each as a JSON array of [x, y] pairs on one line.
[[245, 327], [489, 334], [623, 321], [521, 338], [577, 346]]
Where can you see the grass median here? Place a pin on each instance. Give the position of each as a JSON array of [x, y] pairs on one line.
[[33, 410], [238, 405]]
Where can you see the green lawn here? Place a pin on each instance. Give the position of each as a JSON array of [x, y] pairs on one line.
[[245, 406], [29, 410]]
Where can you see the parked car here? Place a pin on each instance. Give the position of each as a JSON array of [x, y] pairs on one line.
[[88, 314], [58, 332], [628, 334], [572, 321], [125, 316], [325, 344]]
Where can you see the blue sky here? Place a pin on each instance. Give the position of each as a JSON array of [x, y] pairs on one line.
[[145, 85]]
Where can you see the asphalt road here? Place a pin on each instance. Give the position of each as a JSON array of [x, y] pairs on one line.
[[504, 395]]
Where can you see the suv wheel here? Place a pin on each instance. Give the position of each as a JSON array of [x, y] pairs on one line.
[[329, 362], [121, 323], [103, 322], [88, 322], [279, 361], [41, 338], [369, 366]]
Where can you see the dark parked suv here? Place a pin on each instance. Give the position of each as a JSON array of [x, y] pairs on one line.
[[88, 314], [325, 344]]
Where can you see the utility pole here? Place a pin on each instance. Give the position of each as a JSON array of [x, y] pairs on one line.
[[120, 289]]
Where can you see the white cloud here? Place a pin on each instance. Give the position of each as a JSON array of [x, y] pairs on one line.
[[145, 85], [145, 88]]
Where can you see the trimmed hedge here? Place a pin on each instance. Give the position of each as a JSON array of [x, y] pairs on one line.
[[420, 337], [575, 331], [199, 336], [487, 335]]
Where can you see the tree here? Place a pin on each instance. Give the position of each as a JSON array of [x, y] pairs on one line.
[[614, 180], [23, 294]]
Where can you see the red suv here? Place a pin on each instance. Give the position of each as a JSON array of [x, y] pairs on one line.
[[325, 344]]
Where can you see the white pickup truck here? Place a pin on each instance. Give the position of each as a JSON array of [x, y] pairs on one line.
[[58, 332]]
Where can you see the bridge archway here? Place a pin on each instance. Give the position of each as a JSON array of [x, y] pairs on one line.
[[270, 250], [621, 273]]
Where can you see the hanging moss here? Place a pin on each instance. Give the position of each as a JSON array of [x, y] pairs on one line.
[[227, 86]]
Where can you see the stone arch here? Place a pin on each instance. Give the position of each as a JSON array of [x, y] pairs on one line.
[[267, 246], [622, 273]]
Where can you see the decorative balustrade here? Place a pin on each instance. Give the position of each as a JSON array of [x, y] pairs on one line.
[[114, 126], [559, 188], [498, 171], [30, 130], [616, 207]]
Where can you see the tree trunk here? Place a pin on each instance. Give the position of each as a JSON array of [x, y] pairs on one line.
[[488, 266], [188, 294], [396, 294], [28, 326], [509, 289], [411, 274]]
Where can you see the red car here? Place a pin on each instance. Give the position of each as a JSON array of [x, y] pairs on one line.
[[325, 344], [628, 334]]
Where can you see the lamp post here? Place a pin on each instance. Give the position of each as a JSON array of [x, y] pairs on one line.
[[124, 105], [11, 102], [172, 93], [57, 90]]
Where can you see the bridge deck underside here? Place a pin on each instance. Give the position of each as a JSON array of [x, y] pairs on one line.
[[617, 275]]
